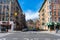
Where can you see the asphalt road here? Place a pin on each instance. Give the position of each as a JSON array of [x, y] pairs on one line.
[[30, 36]]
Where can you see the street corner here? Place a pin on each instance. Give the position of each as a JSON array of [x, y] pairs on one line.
[[4, 34]]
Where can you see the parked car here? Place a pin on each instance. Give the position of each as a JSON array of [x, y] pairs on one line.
[[25, 29], [3, 29]]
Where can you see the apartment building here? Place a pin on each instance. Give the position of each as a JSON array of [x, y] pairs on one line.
[[49, 12], [11, 15], [43, 15]]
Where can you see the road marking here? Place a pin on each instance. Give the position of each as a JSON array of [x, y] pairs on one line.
[[4, 34], [47, 38], [15, 38], [3, 39], [31, 39], [26, 38]]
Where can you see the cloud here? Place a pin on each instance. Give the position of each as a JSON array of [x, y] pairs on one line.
[[31, 15]]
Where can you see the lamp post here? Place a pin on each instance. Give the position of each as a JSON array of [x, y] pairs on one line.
[[15, 15]]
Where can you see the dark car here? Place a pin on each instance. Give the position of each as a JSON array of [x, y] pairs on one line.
[[3, 29], [25, 29]]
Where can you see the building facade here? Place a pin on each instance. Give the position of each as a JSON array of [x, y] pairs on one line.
[[37, 24], [49, 12], [43, 15], [11, 14], [55, 10]]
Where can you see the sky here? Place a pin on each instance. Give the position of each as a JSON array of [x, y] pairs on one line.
[[30, 8]]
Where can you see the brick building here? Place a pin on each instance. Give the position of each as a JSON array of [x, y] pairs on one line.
[[49, 12], [11, 15]]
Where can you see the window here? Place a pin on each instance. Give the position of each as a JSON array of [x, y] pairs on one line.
[[43, 19], [11, 19], [43, 23], [7, 15], [59, 6], [13, 1], [43, 10], [11, 14], [12, 8], [54, 6], [4, 7], [59, 1], [0, 8], [50, 19], [8, 1], [0, 1], [43, 14], [54, 0], [4, 1], [58, 13], [59, 19], [2, 18], [7, 19], [50, 7], [7, 7], [54, 13], [55, 19], [50, 12], [3, 13], [49, 1]]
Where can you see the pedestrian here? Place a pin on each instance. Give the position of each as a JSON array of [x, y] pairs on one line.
[[57, 29]]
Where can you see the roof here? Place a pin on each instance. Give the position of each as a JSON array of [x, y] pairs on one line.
[[42, 5]]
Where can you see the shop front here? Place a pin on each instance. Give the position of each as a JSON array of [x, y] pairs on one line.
[[6, 26]]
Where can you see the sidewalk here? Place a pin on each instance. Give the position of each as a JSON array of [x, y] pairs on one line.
[[54, 33], [49, 32]]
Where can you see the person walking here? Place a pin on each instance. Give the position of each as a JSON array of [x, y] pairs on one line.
[[57, 28]]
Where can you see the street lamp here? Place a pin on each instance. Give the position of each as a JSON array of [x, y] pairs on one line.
[[15, 14]]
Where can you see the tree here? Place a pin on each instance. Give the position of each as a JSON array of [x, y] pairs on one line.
[[30, 21], [58, 25], [51, 25]]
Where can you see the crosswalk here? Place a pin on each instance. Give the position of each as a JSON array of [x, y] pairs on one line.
[[4, 34]]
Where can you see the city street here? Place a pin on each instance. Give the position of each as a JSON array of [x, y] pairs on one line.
[[29, 19], [30, 36]]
